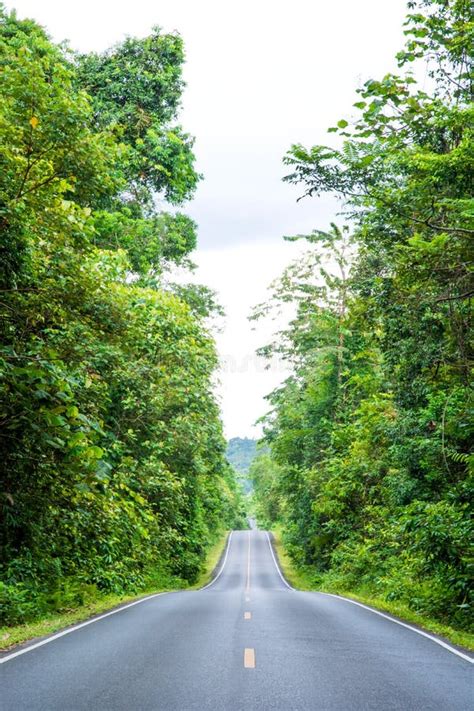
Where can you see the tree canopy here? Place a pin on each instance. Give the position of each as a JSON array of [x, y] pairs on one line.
[[113, 459], [371, 463]]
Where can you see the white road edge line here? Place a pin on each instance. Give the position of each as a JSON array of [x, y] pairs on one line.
[[440, 642], [453, 650], [222, 566], [77, 627], [101, 617], [276, 564]]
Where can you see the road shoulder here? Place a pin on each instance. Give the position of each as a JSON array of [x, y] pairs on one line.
[[300, 580], [18, 637]]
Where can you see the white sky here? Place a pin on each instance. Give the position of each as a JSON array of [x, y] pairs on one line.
[[261, 75]]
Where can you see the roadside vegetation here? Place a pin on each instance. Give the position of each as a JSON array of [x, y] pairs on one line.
[[370, 467], [304, 578], [113, 477], [160, 581]]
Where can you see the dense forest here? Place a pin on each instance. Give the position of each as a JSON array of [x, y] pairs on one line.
[[113, 468], [240, 452], [370, 469]]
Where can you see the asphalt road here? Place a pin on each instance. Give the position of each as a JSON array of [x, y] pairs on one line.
[[247, 641]]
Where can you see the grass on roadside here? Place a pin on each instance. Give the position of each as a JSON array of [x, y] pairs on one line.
[[11, 636], [302, 579], [212, 559]]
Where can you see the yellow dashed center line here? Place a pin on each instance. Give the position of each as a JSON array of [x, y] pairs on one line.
[[249, 653], [249, 658]]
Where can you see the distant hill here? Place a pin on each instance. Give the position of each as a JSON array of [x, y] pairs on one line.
[[240, 453]]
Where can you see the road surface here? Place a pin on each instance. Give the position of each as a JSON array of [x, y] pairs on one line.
[[247, 642]]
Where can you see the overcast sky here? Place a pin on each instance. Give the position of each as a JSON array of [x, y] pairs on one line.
[[261, 75]]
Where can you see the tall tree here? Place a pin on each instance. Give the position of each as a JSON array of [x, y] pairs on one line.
[[113, 460], [373, 448]]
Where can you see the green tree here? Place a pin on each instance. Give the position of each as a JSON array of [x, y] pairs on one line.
[[372, 432], [113, 460]]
